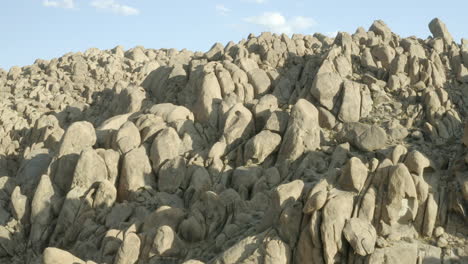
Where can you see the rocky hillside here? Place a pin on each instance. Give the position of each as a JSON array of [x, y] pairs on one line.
[[273, 150]]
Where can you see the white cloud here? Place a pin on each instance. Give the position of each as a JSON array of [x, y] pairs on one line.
[[277, 23], [222, 10], [115, 7], [59, 3]]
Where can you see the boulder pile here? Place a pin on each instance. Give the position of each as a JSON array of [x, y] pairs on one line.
[[277, 149]]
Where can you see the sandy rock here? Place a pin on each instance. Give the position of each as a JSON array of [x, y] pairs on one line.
[[238, 125], [31, 169], [430, 216], [56, 256], [326, 118], [381, 29], [353, 176], [171, 175], [351, 102], [361, 235], [216, 52], [401, 203], [166, 243], [402, 252], [259, 147], [209, 95], [385, 54], [165, 147], [42, 212], [129, 250], [136, 173], [365, 137], [78, 137], [315, 202], [171, 113], [302, 133], [335, 213], [439, 30], [164, 215], [398, 154], [368, 205], [20, 205], [325, 88], [7, 244], [89, 169], [111, 158], [276, 149], [276, 251], [417, 162], [127, 138]]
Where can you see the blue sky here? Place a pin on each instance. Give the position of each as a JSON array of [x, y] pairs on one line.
[[46, 29]]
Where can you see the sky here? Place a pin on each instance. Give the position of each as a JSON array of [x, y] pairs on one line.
[[46, 29]]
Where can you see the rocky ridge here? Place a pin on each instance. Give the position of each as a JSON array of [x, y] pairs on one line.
[[306, 149]]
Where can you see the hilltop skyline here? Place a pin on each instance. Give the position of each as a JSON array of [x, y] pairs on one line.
[[44, 29]]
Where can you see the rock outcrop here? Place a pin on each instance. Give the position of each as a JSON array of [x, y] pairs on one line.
[[277, 149]]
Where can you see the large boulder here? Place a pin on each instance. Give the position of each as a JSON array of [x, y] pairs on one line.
[[136, 173], [58, 256], [351, 103], [353, 176], [303, 132], [326, 88], [78, 137], [439, 30], [338, 209], [361, 235], [259, 147], [364, 137], [165, 147]]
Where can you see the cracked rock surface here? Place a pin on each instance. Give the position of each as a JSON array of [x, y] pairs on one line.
[[277, 149]]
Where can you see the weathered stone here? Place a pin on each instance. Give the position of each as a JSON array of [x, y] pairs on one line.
[[353, 176], [417, 162], [89, 169], [326, 118], [78, 137], [20, 206], [276, 251], [303, 132], [259, 147], [430, 216], [171, 175], [129, 250], [238, 125], [439, 30], [59, 256], [361, 235], [401, 204], [42, 212], [335, 213], [325, 88], [127, 138], [260, 81], [365, 137], [402, 252], [349, 111], [136, 173], [165, 147], [208, 98], [315, 202], [166, 243], [381, 29]]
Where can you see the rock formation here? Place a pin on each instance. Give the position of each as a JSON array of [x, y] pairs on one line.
[[277, 149]]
